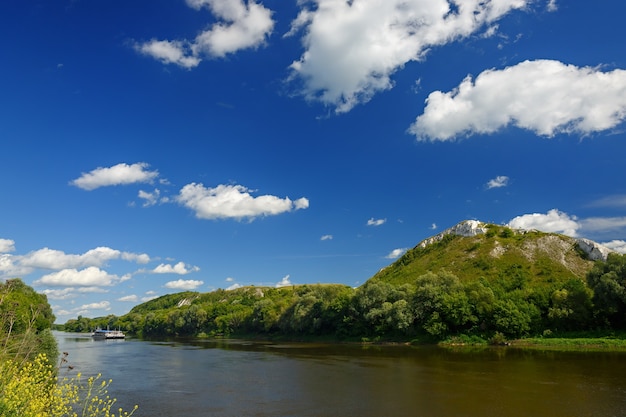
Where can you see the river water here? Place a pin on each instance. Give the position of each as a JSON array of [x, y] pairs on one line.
[[241, 378]]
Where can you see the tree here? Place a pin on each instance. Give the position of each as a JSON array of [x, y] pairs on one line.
[[608, 282], [441, 304], [571, 306], [25, 321], [385, 308]]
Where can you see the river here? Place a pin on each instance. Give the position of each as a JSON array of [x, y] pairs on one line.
[[245, 378]]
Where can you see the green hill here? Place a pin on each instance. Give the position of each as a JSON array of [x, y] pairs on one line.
[[476, 280], [494, 253]]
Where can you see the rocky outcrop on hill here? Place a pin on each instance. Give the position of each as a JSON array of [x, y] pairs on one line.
[[594, 250], [468, 228]]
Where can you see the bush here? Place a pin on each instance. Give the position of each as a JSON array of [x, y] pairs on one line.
[[30, 389]]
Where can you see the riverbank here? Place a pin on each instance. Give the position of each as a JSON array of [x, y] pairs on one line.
[[562, 341]]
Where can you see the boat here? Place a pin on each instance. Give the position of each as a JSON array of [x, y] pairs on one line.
[[100, 334]]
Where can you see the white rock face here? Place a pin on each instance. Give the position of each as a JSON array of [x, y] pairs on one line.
[[466, 228], [594, 250], [184, 302]]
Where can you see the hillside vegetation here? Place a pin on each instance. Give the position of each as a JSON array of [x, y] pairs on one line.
[[496, 284], [500, 254]]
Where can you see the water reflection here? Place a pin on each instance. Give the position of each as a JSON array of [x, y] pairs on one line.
[[244, 378]]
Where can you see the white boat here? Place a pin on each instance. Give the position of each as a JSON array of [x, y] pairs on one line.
[[107, 334]]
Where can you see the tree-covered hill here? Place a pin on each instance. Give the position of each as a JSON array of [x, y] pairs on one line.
[[474, 280]]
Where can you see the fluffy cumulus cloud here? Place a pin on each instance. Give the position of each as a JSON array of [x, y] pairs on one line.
[[327, 237], [120, 174], [10, 267], [376, 222], [101, 305], [241, 25], [554, 221], [180, 268], [185, 285], [71, 292], [55, 259], [498, 182], [91, 276], [129, 298], [234, 201], [544, 96], [352, 48], [396, 253], [7, 245]]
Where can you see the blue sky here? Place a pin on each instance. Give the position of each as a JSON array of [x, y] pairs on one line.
[[150, 147]]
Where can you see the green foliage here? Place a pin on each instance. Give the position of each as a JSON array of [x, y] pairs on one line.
[[33, 389], [501, 285], [608, 282], [571, 306], [500, 253], [25, 322], [22, 308]]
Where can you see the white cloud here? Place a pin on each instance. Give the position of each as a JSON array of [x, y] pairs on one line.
[[234, 287], [71, 292], [182, 284], [91, 276], [433, 226], [245, 26], [327, 237], [543, 96], [603, 224], [9, 266], [497, 182], [120, 174], [180, 268], [140, 258], [610, 201], [151, 198], [61, 294], [396, 253], [376, 222], [102, 305], [230, 279], [241, 25], [554, 221], [353, 47], [616, 245], [7, 245], [47, 258], [169, 52], [129, 298], [234, 201], [285, 282]]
